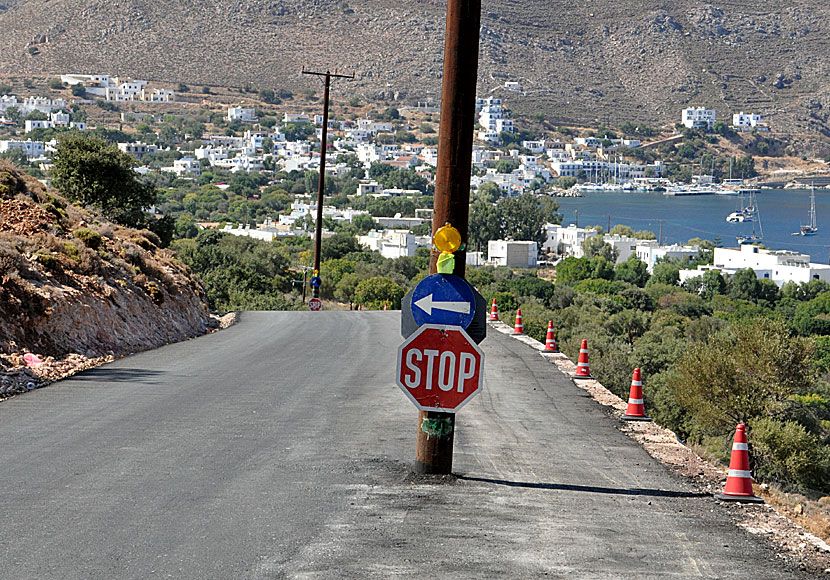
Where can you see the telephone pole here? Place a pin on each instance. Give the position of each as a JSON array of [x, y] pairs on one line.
[[321, 182], [452, 191]]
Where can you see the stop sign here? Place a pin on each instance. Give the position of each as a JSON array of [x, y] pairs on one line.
[[440, 368]]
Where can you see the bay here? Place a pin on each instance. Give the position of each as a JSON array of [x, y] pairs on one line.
[[782, 212]]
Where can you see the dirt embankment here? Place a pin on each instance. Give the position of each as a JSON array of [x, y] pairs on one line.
[[76, 290]]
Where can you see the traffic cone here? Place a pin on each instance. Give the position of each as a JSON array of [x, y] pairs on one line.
[[739, 479], [385, 306], [550, 339], [494, 312], [518, 328], [583, 371], [636, 411]]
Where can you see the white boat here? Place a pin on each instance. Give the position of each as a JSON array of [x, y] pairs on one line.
[[756, 235], [811, 229]]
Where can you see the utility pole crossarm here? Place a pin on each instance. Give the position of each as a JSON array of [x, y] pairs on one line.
[[321, 182]]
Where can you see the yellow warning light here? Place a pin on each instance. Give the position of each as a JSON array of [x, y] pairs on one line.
[[447, 239]]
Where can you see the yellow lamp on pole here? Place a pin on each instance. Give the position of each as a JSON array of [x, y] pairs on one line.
[[447, 240]]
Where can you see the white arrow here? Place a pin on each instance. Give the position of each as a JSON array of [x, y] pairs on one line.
[[426, 304]]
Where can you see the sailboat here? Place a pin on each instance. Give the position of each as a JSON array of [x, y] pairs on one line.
[[743, 213], [754, 236], [811, 229]]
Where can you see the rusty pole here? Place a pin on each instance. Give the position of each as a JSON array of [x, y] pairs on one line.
[[452, 191], [321, 182]]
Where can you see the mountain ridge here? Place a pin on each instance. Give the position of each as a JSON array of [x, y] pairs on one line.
[[593, 63]]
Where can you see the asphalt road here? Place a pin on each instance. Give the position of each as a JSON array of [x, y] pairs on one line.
[[281, 448]]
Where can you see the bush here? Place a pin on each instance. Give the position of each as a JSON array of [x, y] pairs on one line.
[[785, 452], [91, 239], [373, 293]]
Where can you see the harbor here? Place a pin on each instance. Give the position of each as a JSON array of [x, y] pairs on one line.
[[678, 219]]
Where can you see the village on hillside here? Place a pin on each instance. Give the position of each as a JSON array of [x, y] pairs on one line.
[[247, 149]]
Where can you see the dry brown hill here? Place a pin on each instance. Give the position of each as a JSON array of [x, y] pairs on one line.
[[583, 62], [73, 283]]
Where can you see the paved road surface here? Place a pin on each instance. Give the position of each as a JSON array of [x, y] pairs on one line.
[[280, 448]]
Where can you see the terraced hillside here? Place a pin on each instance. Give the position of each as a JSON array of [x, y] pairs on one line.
[[591, 61]]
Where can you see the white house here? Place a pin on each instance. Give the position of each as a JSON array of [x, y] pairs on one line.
[[241, 114], [743, 121], [493, 118], [187, 166], [566, 241], [698, 118], [137, 149], [392, 243], [625, 246], [296, 118], [513, 254], [369, 188], [649, 252], [780, 266], [32, 149], [29, 125]]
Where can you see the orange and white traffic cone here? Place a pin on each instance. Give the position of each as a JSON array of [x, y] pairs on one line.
[[518, 328], [385, 306], [550, 339], [739, 479], [494, 312], [583, 371], [636, 411]]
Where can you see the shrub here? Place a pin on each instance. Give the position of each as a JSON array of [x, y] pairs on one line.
[[785, 452], [91, 239]]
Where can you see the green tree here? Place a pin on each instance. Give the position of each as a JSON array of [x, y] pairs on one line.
[[596, 246], [506, 166], [665, 273], [88, 171], [572, 269], [813, 317], [377, 291], [338, 246], [364, 223], [483, 225], [488, 192], [524, 217], [743, 373], [633, 270]]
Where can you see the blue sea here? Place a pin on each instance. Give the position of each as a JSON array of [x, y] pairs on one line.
[[782, 212]]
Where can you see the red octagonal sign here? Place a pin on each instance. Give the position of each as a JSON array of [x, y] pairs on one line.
[[440, 368]]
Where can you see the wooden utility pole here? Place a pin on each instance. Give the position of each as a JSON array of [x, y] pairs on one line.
[[452, 191], [321, 182]]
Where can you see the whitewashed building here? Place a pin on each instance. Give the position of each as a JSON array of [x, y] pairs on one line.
[[698, 118], [187, 166], [393, 243], [137, 149], [744, 121], [780, 266], [649, 252], [513, 254], [566, 241], [241, 114], [32, 149]]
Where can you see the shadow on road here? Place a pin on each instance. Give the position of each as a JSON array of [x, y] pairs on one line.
[[116, 375], [587, 488]]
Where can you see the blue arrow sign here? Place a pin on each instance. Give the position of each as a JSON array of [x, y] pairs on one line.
[[443, 299]]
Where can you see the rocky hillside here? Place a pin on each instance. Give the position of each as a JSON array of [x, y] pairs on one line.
[[583, 62], [73, 287]]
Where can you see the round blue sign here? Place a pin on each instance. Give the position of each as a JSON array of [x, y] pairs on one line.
[[316, 281], [443, 299]]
